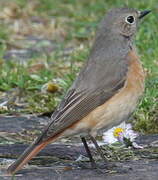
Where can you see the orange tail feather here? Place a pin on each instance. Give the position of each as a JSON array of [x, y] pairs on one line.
[[27, 155]]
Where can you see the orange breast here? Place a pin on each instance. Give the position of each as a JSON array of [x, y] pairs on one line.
[[136, 75]]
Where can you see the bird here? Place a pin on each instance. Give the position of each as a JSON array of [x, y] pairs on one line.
[[106, 90]]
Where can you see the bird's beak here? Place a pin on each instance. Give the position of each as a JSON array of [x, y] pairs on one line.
[[144, 13]]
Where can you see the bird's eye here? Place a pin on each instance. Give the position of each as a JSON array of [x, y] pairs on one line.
[[130, 19]]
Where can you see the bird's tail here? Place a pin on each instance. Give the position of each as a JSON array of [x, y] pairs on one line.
[[27, 155]]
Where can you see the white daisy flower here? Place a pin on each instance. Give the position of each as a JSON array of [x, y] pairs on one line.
[[122, 133]]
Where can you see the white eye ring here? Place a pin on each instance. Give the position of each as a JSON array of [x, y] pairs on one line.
[[130, 19]]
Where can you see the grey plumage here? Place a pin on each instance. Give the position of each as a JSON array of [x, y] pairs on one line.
[[101, 77]]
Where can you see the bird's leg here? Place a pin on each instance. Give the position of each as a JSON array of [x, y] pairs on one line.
[[98, 148], [93, 164]]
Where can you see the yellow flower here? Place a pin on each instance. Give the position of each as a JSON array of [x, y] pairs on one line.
[[118, 131]]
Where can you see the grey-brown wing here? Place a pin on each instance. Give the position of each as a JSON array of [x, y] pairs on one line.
[[90, 90]]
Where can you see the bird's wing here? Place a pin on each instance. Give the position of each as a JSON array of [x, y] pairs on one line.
[[90, 90]]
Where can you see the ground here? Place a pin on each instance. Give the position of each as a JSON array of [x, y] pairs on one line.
[[61, 160], [43, 45]]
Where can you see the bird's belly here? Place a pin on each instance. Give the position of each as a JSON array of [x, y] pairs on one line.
[[118, 109]]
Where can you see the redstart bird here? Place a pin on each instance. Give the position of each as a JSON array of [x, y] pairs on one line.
[[106, 91]]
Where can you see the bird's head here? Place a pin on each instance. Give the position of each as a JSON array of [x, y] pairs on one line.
[[122, 21]]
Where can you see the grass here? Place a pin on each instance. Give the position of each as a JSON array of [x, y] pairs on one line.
[[75, 22]]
